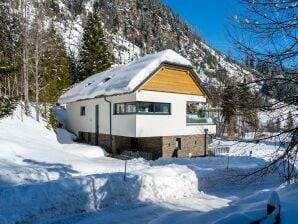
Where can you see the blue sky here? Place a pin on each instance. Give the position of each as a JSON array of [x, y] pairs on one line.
[[210, 17]]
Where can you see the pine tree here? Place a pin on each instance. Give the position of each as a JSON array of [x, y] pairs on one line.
[[56, 75], [228, 106], [10, 66], [247, 112], [7, 106], [94, 55]]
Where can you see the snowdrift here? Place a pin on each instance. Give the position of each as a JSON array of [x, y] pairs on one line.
[[245, 210], [29, 203]]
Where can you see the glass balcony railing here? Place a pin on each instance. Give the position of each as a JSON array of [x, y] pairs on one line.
[[199, 118]]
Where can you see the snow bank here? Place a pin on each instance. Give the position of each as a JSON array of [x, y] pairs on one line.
[[67, 196], [244, 210], [167, 182], [90, 193], [31, 153], [122, 79], [45, 175], [235, 218]]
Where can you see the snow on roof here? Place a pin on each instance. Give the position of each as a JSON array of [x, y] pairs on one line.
[[122, 79]]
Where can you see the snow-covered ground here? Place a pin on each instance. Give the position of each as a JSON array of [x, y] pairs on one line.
[[49, 178]]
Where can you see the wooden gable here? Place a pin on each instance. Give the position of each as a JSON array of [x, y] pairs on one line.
[[174, 80]]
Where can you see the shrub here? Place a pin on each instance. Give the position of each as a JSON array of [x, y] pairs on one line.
[[7, 106]]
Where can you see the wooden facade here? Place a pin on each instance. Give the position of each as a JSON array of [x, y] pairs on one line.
[[174, 80]]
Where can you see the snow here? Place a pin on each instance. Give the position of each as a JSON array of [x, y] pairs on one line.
[[123, 79], [274, 199], [124, 51], [72, 31], [265, 149], [42, 173], [252, 207], [46, 177], [89, 193], [279, 111]]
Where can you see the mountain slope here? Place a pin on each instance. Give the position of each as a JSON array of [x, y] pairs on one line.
[[138, 27]]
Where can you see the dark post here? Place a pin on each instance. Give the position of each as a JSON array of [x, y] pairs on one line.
[[205, 142], [96, 124], [125, 168], [111, 137]]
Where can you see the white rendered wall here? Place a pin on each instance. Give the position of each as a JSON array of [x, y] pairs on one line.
[[140, 125], [123, 125], [169, 125]]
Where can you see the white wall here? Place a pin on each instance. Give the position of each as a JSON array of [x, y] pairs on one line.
[[140, 125], [168, 125], [123, 125]]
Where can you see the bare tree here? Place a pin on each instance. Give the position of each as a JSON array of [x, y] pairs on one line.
[[25, 37], [267, 30]]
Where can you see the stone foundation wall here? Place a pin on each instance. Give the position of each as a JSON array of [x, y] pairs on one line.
[[121, 143], [152, 145], [191, 145], [104, 142]]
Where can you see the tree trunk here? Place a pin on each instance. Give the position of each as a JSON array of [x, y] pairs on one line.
[[36, 67], [36, 78], [25, 56]]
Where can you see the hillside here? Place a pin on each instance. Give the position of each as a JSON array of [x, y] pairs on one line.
[[135, 28]]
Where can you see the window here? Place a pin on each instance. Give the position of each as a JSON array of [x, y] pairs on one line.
[[142, 108], [178, 143], [120, 108], [145, 107], [125, 108], [162, 108], [197, 112], [130, 108], [83, 111]]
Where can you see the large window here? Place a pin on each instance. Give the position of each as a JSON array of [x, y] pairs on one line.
[[197, 112], [142, 108]]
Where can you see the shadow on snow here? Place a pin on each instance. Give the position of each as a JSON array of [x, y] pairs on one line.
[[63, 170]]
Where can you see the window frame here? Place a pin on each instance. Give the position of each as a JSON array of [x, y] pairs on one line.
[[83, 111], [137, 105]]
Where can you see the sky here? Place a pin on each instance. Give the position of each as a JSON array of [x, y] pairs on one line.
[[209, 17]]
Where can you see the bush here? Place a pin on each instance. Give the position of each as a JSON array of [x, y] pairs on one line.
[[7, 106], [53, 123]]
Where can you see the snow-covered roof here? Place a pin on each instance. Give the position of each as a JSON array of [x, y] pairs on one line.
[[122, 79]]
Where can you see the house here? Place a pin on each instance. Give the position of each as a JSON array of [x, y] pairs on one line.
[[155, 104]]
